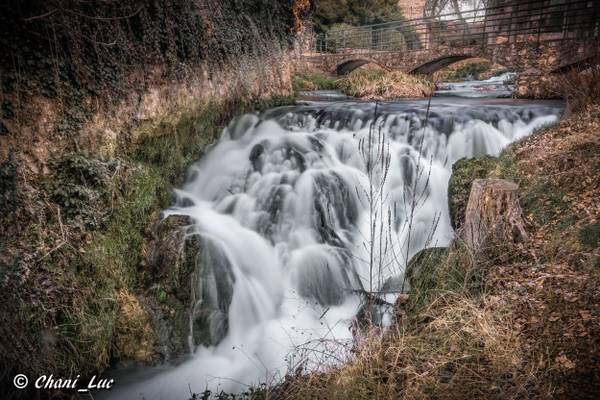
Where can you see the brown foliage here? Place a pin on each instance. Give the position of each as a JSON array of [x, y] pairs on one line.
[[580, 86]]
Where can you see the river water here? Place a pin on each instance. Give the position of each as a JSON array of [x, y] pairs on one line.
[[303, 208], [494, 87]]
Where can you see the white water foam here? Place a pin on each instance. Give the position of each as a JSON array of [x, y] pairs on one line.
[[280, 203]]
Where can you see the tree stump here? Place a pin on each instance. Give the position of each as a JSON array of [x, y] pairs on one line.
[[493, 214]]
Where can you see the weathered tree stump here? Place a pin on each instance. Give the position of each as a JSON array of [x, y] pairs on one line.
[[493, 214]]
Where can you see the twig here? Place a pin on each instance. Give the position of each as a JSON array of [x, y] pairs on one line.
[[51, 251], [49, 13]]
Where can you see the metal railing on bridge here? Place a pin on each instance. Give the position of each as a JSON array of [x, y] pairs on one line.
[[533, 20]]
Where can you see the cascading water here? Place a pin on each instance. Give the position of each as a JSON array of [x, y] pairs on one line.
[[496, 86], [302, 208]]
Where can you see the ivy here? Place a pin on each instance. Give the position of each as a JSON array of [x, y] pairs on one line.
[[53, 46]]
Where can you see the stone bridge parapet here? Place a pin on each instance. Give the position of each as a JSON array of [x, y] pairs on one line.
[[549, 39]]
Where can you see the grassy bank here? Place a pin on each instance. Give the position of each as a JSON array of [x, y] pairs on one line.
[[86, 304], [377, 84], [368, 83]]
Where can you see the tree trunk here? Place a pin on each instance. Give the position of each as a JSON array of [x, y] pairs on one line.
[[493, 214]]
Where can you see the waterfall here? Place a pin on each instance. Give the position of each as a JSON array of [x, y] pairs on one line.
[[295, 206]]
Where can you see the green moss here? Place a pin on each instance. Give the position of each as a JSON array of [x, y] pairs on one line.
[[268, 103], [82, 187], [543, 202], [313, 81], [114, 253], [435, 271], [421, 273], [464, 172], [108, 264], [589, 235], [162, 296]]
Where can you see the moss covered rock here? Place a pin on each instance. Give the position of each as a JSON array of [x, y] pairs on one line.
[[167, 271], [421, 272], [421, 267], [190, 287], [464, 172]]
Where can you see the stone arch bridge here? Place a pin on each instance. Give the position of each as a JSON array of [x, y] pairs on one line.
[[544, 36]]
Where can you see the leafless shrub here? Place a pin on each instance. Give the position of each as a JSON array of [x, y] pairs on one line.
[[580, 86]]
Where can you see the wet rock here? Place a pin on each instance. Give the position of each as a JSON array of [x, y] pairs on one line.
[[255, 157], [212, 291], [239, 126], [272, 207], [170, 262], [321, 281], [316, 143], [166, 246], [191, 286], [334, 204], [295, 155]]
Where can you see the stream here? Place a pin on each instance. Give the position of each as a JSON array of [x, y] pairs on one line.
[[302, 209]]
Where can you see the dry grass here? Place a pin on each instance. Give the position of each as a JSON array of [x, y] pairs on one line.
[[457, 342], [134, 337], [460, 342], [377, 84]]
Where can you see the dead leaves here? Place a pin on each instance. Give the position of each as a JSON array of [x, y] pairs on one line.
[[586, 315], [564, 362]]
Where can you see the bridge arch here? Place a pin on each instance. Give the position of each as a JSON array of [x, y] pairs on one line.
[[431, 66], [347, 66]]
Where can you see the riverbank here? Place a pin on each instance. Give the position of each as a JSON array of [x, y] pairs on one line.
[[513, 320]]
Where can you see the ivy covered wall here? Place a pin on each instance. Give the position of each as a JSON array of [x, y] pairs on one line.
[[103, 105]]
